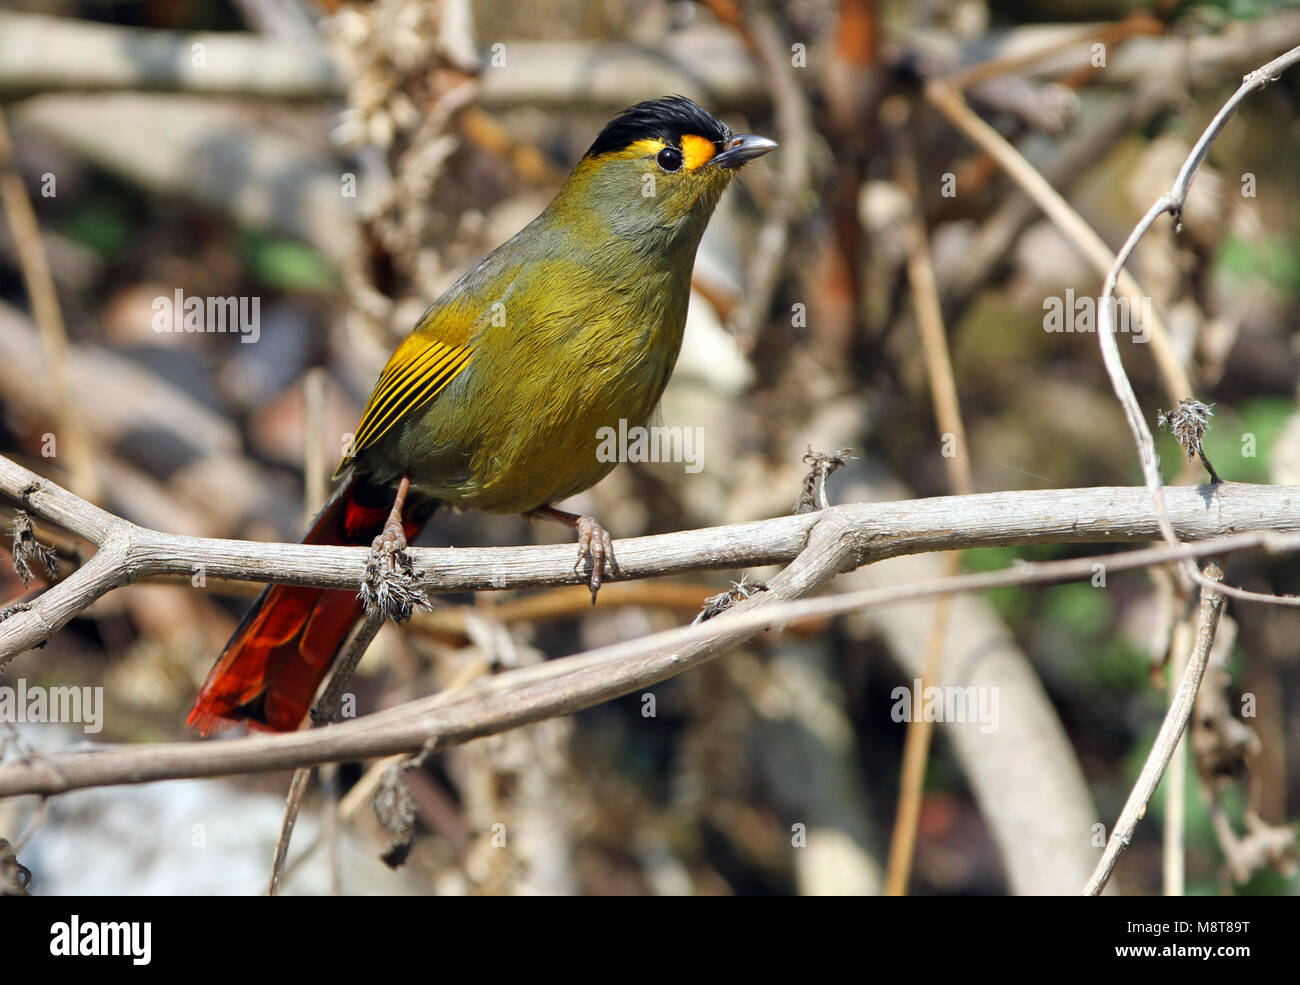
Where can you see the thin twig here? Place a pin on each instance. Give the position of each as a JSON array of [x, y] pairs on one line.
[[326, 710], [297, 789], [1172, 202], [1064, 217], [1075, 157], [1171, 730], [1174, 874], [1134, 24], [44, 298], [794, 129], [364, 790], [947, 411]]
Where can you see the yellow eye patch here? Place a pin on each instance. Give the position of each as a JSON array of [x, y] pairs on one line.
[[646, 147], [697, 151]]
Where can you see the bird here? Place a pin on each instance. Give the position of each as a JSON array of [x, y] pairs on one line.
[[495, 399]]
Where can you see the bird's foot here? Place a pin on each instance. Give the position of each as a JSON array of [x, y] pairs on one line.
[[389, 584], [594, 545], [391, 540]]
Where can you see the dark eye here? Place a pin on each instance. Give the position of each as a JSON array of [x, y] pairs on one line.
[[670, 159]]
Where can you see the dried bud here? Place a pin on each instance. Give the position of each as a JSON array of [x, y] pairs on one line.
[[717, 604], [26, 549], [1188, 423], [820, 465]]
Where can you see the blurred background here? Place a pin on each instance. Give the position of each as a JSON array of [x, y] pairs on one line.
[[344, 163]]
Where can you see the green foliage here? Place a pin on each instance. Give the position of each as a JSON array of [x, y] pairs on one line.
[[1112, 664], [1276, 261], [287, 265], [1011, 603], [1198, 833], [1237, 10], [100, 223], [1076, 620], [1079, 608], [1270, 882]]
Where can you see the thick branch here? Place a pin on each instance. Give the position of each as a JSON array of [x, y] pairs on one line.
[[51, 54], [48, 54], [516, 698], [129, 553], [57, 54], [559, 687]]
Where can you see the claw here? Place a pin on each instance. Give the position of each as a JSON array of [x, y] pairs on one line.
[[388, 584], [595, 545], [391, 540]]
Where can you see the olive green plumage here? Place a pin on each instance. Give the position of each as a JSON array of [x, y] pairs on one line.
[[495, 399]]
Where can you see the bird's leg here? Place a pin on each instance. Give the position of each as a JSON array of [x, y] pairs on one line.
[[388, 583], [594, 543], [392, 539]]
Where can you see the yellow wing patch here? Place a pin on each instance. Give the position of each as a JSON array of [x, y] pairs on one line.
[[415, 374]]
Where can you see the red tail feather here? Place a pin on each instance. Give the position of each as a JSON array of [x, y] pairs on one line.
[[270, 670]]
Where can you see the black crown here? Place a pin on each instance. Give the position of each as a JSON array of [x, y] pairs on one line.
[[664, 119]]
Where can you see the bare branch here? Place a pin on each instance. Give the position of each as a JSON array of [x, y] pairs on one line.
[[61, 54], [1172, 202], [48, 314], [49, 54], [130, 553], [1171, 730], [326, 710], [928, 313], [560, 687], [1063, 216]]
